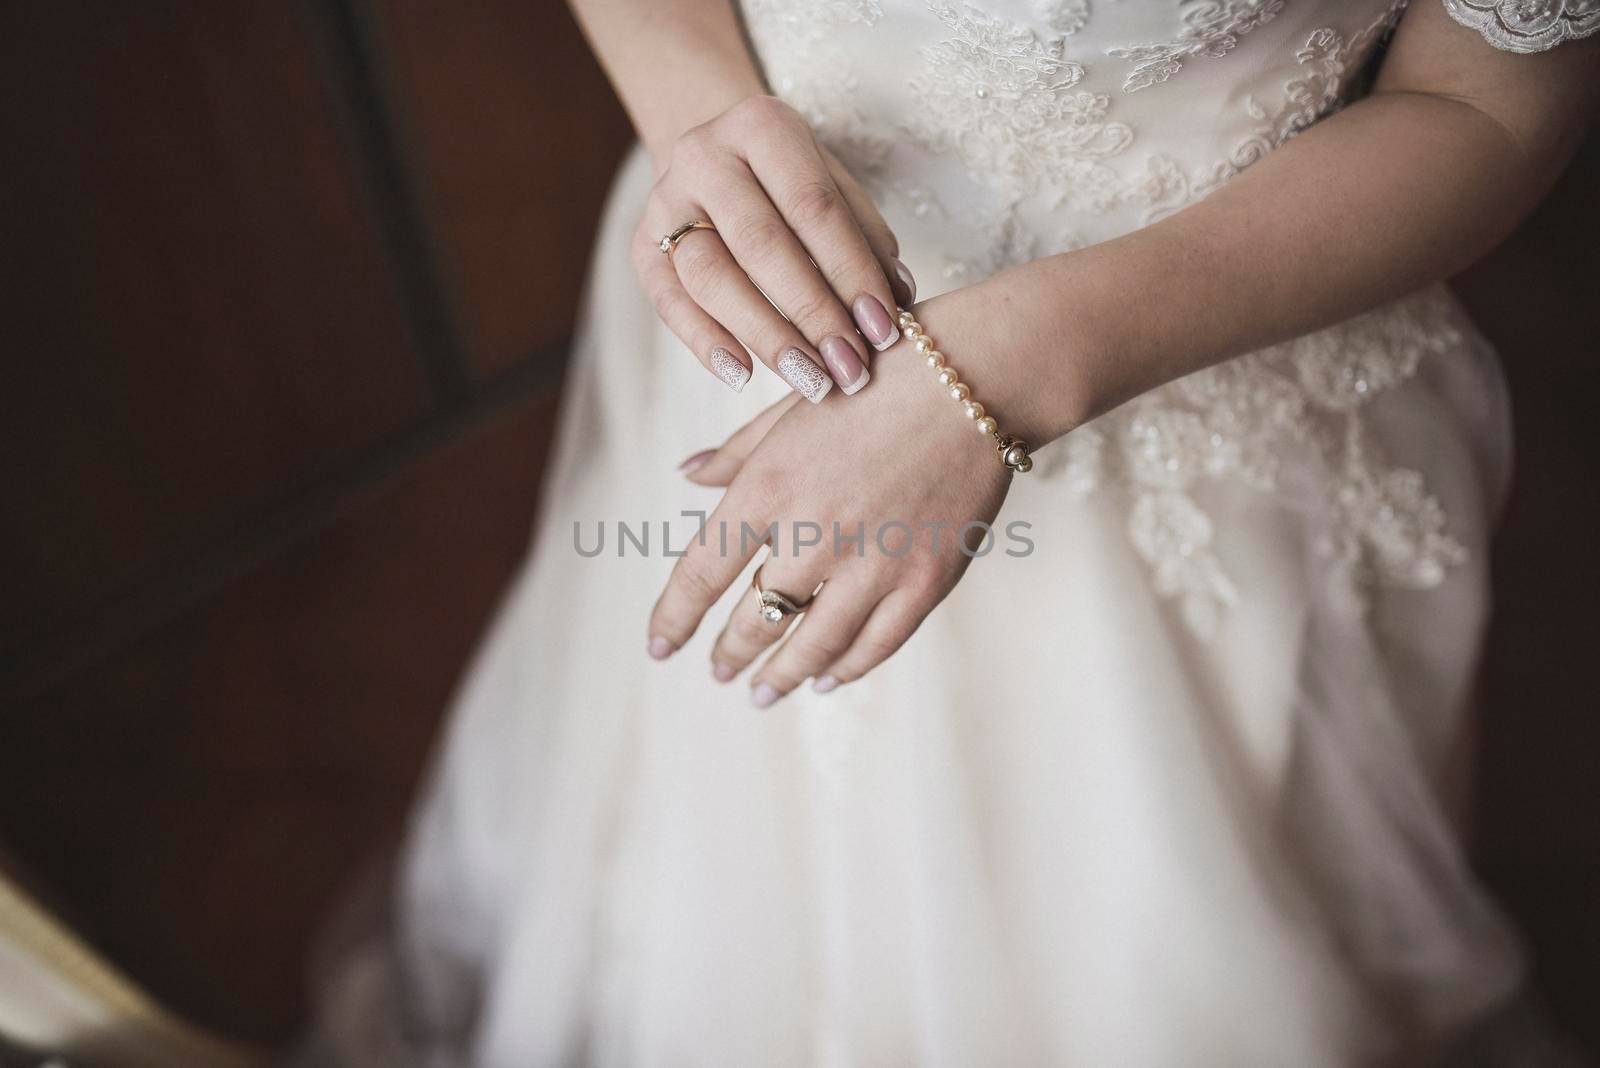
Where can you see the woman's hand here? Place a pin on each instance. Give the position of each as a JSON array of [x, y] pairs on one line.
[[800, 268], [902, 521]]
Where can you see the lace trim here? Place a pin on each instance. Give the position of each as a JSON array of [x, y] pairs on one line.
[[1527, 25]]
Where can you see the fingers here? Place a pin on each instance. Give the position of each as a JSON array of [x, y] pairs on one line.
[[716, 349], [824, 633], [748, 634], [892, 621], [717, 467], [880, 238], [726, 293], [814, 208], [766, 247], [710, 563], [803, 233]]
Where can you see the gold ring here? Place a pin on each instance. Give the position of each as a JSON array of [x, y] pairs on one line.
[[670, 242], [775, 607]]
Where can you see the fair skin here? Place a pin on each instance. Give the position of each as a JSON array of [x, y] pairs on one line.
[[800, 261], [1454, 146]]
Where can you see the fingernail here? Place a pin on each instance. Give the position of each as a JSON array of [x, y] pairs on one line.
[[874, 322], [722, 672], [843, 363], [697, 460], [763, 695], [729, 368], [803, 374], [910, 283], [660, 648], [824, 684]]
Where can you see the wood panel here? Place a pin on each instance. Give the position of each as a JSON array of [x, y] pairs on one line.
[[199, 800], [513, 134], [199, 315], [261, 507]]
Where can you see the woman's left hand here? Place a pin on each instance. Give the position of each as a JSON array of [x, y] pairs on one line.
[[869, 500]]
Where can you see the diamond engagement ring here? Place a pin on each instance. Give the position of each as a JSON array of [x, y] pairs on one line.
[[670, 242], [775, 607]]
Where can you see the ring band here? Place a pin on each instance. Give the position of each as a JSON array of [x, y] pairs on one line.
[[775, 607], [669, 243]]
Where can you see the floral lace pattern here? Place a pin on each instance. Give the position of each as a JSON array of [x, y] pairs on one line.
[[813, 19], [1527, 25], [1242, 419], [1212, 28], [1063, 17], [1017, 105], [1006, 104]]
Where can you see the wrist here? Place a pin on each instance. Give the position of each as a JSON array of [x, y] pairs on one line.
[[660, 131], [1026, 361]]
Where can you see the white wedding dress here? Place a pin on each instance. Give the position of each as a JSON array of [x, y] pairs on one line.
[[1179, 788]]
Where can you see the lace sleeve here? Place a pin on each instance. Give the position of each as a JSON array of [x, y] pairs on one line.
[[1527, 25]]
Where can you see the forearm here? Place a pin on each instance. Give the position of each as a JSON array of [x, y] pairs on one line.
[[674, 63], [1398, 191]]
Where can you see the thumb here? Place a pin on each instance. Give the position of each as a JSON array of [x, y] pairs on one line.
[[716, 467]]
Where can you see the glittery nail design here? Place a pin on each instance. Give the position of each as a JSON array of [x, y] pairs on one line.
[[801, 372], [727, 367]]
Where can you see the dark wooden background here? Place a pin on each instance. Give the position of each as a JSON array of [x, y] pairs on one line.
[[286, 293]]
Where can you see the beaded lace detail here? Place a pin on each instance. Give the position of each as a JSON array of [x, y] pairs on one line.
[[1242, 419], [1527, 25], [1039, 109]]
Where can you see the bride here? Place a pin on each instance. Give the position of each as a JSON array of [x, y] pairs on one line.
[[1132, 308]]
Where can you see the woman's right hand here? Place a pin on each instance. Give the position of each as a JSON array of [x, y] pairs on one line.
[[800, 269]]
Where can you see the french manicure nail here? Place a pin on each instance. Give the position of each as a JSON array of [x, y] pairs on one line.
[[874, 322], [729, 368], [910, 283], [763, 696], [803, 374], [722, 672], [660, 648], [697, 460], [824, 684], [843, 363]]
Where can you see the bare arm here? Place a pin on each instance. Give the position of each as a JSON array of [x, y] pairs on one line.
[[1455, 145], [674, 63], [799, 267]]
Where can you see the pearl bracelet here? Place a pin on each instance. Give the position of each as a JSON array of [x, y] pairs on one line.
[[1013, 451]]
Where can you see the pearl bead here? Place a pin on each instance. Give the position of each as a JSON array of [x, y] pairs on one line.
[[973, 409], [987, 426], [1015, 455], [960, 392], [911, 326], [935, 359], [905, 319], [948, 377], [923, 342]]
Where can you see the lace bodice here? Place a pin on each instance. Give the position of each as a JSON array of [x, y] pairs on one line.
[[998, 132]]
